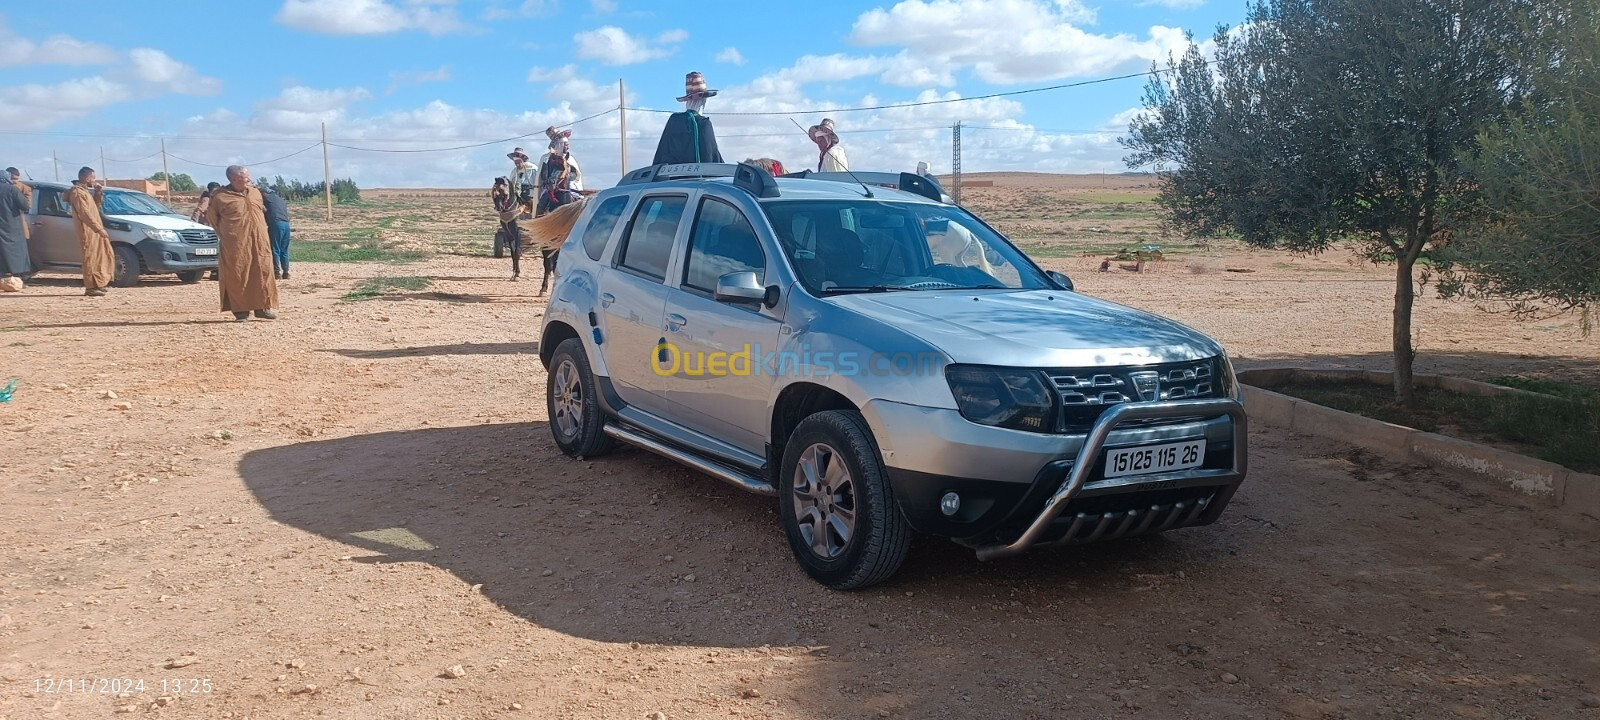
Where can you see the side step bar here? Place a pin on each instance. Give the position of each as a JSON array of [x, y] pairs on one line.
[[721, 472]]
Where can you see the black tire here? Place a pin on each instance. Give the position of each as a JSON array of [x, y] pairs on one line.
[[126, 271], [500, 243], [880, 537], [190, 277], [575, 420]]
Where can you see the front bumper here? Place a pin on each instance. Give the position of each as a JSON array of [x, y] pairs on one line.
[[1021, 490], [165, 257]]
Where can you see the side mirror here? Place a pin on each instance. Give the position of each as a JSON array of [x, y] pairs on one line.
[[1060, 279], [740, 287]]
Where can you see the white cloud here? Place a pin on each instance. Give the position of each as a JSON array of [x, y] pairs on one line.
[[370, 17], [1174, 4], [159, 72], [603, 6], [139, 74], [421, 77], [301, 109], [1042, 41], [612, 45], [35, 106], [17, 51], [731, 55]]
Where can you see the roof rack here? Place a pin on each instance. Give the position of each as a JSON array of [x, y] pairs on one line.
[[756, 181]]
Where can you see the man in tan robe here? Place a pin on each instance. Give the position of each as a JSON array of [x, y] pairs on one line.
[[244, 255], [99, 262]]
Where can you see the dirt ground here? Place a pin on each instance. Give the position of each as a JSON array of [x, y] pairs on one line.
[[357, 511]]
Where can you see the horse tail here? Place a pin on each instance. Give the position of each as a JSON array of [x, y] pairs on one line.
[[550, 230]]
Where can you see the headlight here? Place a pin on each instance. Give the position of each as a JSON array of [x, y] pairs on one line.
[[1228, 381], [162, 235], [1002, 397]]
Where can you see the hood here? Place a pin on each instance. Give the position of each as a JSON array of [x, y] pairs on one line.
[[1033, 328], [160, 222]]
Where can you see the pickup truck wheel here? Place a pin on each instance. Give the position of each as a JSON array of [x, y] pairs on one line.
[[125, 273], [840, 515], [574, 410], [190, 277]]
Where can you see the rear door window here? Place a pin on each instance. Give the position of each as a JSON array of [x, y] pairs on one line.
[[51, 202], [649, 244]]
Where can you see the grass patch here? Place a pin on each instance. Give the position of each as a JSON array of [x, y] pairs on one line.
[[379, 286], [1562, 428], [343, 252], [1109, 198]]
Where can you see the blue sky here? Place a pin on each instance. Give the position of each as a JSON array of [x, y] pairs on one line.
[[253, 81]]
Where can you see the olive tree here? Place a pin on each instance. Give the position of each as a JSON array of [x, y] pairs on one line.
[[1535, 245], [1318, 123]]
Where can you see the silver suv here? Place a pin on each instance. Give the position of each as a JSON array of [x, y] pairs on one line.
[[881, 362], [147, 237]]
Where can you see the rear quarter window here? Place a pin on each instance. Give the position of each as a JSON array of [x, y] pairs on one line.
[[602, 225]]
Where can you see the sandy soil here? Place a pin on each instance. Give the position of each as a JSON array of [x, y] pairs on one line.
[[328, 514]]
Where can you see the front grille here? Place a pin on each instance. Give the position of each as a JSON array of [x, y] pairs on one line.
[[1087, 393], [199, 237], [1108, 517]]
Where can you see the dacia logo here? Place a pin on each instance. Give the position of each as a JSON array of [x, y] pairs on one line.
[[1147, 384]]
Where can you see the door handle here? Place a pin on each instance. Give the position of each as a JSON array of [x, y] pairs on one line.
[[606, 299], [676, 321]]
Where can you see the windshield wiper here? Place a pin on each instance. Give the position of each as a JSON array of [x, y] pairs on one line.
[[847, 289]]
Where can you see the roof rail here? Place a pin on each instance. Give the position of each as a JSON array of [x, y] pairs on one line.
[[908, 182], [756, 181]]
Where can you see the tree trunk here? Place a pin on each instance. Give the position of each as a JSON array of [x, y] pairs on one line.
[[1405, 295]]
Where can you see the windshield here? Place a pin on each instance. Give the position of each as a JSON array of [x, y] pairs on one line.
[[871, 246], [130, 203]]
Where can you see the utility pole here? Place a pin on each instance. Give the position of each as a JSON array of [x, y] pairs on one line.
[[164, 172], [327, 173], [955, 162], [57, 163], [103, 175], [622, 109]]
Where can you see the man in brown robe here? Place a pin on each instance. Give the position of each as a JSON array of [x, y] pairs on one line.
[[27, 196], [244, 255], [99, 262]]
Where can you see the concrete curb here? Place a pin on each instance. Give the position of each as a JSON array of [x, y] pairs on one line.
[[1548, 483]]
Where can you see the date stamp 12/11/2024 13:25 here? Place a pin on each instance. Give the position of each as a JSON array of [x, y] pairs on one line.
[[118, 686]]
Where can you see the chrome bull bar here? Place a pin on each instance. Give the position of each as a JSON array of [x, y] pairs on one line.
[[1094, 443]]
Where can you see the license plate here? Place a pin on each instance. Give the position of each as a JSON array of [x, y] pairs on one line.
[[1149, 459], [205, 251]]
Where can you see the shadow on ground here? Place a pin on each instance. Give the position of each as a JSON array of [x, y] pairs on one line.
[[1311, 553], [499, 348]]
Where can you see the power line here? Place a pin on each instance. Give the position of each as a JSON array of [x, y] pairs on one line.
[[474, 145], [147, 157], [941, 101], [308, 148]]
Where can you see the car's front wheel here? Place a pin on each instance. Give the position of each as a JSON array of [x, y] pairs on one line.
[[839, 512], [574, 409], [190, 277], [126, 271]]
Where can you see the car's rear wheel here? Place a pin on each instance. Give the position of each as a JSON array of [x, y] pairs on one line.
[[838, 510], [126, 272], [189, 277], [574, 408]]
